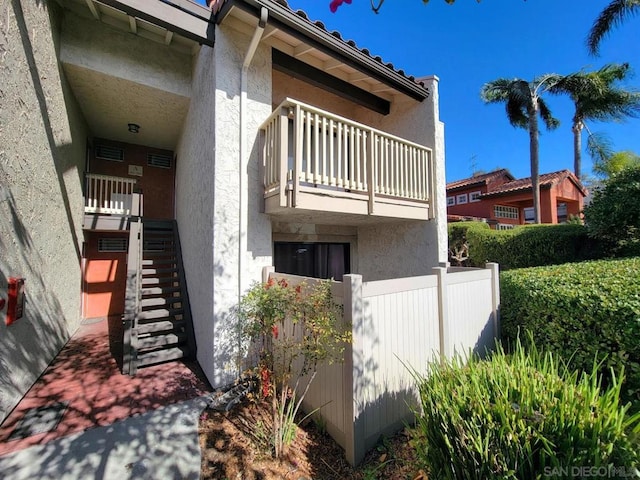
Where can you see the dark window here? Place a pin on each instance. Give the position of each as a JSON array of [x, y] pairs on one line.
[[317, 260]]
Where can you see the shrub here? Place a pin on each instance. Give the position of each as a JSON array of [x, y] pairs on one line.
[[458, 240], [531, 245], [581, 311], [613, 216], [522, 416], [295, 328]]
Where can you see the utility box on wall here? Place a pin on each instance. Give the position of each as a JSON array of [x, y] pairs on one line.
[[15, 300]]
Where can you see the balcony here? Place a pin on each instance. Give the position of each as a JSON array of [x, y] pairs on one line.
[[109, 201], [315, 162]]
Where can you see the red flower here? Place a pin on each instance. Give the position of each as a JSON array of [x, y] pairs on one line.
[[333, 6], [265, 377], [269, 284], [283, 283], [274, 330]]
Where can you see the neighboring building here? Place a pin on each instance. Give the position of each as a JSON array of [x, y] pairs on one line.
[[503, 201], [156, 156]]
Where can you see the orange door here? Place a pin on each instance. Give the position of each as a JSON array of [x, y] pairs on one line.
[[105, 274]]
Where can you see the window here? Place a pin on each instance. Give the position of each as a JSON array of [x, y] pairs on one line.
[[160, 160], [504, 226], [462, 198], [529, 216], [109, 152], [474, 196], [562, 212], [112, 244], [317, 260], [502, 211], [451, 201]]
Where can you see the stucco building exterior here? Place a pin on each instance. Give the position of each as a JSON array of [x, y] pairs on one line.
[[265, 139], [503, 201]]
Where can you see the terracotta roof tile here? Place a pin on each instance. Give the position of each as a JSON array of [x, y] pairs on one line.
[[546, 180], [216, 5], [482, 179]]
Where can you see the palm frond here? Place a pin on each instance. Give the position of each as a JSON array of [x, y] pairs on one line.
[[612, 16], [517, 113], [545, 113], [600, 149], [496, 91]]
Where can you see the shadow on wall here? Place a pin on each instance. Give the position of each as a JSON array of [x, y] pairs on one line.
[[30, 343], [59, 153]]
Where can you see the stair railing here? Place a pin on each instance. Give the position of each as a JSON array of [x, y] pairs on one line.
[[186, 306], [133, 292]]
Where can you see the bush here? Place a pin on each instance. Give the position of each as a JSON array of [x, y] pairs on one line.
[[295, 328], [530, 245], [522, 416], [580, 311], [613, 216], [458, 241]]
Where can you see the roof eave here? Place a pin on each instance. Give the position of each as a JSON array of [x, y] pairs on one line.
[[287, 20]]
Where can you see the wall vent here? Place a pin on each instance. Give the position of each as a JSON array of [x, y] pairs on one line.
[[109, 152], [112, 244], [161, 160]]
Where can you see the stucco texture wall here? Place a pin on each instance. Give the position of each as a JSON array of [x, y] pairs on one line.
[[43, 138], [411, 248], [226, 240]]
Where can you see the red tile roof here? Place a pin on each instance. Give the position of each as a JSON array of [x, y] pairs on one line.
[[482, 179], [546, 180], [318, 26]]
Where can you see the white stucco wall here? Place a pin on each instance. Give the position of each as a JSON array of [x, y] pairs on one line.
[[43, 138], [90, 44], [412, 248], [236, 237]]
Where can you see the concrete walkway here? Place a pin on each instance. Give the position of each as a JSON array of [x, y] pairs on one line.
[[161, 444]]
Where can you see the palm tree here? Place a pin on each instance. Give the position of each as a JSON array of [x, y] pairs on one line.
[[612, 16], [595, 97], [523, 103]]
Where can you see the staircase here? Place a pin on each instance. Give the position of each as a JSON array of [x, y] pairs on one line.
[[158, 328]]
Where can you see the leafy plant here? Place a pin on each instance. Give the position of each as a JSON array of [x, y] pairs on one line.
[[613, 216], [294, 328], [580, 311], [521, 416], [531, 245]]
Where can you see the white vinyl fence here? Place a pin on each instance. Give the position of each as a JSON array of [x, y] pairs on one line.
[[398, 325]]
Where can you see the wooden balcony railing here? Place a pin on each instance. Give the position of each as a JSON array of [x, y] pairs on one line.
[[107, 194], [307, 149]]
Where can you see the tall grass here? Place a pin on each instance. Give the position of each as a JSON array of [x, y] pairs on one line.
[[523, 416]]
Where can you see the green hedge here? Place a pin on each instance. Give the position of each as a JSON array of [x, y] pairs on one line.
[[583, 311], [524, 246], [521, 416]]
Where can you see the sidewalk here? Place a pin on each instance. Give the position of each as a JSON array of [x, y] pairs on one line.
[[161, 444], [84, 419]]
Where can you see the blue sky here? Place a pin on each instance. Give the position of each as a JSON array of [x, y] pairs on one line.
[[468, 44]]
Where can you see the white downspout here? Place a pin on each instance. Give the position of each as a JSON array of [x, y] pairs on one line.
[[243, 204]]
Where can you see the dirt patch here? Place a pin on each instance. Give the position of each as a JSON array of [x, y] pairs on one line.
[[235, 446]]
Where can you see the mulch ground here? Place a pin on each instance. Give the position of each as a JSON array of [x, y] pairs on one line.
[[235, 446]]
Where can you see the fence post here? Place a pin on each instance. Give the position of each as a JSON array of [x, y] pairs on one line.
[[354, 369], [443, 314], [266, 271], [283, 153], [495, 297]]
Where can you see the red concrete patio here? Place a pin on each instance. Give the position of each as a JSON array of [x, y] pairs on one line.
[[86, 376]]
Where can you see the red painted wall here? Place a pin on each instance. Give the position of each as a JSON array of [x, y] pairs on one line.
[[157, 183], [550, 197], [104, 278]]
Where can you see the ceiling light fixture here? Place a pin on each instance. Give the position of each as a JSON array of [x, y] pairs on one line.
[[134, 127]]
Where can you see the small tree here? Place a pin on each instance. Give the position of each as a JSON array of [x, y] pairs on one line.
[[613, 215], [295, 329]]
